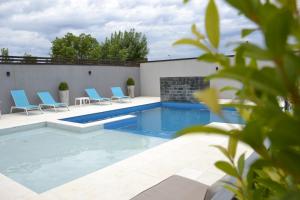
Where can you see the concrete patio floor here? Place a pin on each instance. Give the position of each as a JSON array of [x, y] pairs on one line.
[[190, 156]]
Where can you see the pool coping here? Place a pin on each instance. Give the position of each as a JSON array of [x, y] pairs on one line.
[[15, 120]]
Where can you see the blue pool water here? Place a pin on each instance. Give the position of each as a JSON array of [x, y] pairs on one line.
[[160, 119]]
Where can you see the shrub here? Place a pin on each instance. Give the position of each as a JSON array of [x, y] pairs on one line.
[[275, 174], [130, 82], [63, 86]]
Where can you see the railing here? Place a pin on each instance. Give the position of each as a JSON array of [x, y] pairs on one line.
[[65, 61]]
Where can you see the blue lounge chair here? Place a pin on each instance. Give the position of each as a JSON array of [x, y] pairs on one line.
[[21, 102], [118, 94], [94, 96], [48, 101]]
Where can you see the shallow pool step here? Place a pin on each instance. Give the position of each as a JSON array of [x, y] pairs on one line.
[[81, 128], [120, 123]]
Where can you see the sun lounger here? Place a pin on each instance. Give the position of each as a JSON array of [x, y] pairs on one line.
[[21, 102], [48, 101], [95, 96], [118, 94]]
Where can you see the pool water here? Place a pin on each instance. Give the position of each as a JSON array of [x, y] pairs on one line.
[[164, 121], [44, 158]]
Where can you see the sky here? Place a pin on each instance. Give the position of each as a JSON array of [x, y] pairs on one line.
[[30, 25]]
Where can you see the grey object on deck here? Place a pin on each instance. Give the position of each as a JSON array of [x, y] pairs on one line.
[[174, 188], [180, 188]]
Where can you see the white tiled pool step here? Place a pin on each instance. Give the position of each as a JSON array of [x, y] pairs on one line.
[[65, 125], [82, 128], [9, 130]]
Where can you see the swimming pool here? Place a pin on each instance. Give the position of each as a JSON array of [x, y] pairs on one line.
[[44, 158], [161, 119]]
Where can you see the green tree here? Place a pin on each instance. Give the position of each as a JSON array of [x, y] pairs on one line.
[[28, 59], [276, 174], [5, 55], [4, 52], [75, 47], [127, 45]]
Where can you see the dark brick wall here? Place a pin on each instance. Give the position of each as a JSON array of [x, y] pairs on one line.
[[181, 88]]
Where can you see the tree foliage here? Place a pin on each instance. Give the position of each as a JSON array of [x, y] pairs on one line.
[[4, 52], [121, 46], [28, 59], [71, 46], [127, 45], [5, 55], [276, 174]]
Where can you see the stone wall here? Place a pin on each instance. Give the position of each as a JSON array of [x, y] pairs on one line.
[[181, 88]]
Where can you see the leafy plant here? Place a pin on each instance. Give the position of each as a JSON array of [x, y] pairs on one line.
[[28, 59], [276, 174], [121, 46], [63, 86], [4, 52], [130, 82], [5, 55], [71, 46], [127, 45]]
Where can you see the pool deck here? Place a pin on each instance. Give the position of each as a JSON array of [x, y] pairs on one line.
[[190, 156]]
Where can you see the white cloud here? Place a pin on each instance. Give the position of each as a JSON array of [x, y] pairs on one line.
[[31, 25]]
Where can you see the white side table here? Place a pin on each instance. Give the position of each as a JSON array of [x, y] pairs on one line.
[[82, 100]]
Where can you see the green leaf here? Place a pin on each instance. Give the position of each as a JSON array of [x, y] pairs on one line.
[[274, 186], [227, 168], [290, 160], [232, 146], [277, 31], [266, 79], [212, 24], [253, 135], [240, 59], [249, 8], [285, 130], [210, 98], [290, 4], [246, 32], [203, 129], [207, 57], [223, 60], [223, 150], [228, 88], [196, 43], [241, 164], [256, 52], [245, 113], [253, 63], [197, 33], [234, 191]]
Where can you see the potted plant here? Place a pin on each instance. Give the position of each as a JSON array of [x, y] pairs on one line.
[[64, 92], [130, 87]]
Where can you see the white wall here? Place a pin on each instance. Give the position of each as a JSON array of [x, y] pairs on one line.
[[151, 72]]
